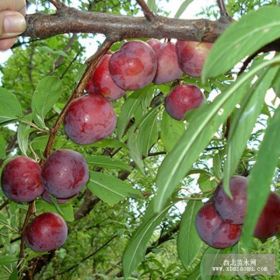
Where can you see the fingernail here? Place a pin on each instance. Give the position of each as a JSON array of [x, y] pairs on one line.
[[14, 24]]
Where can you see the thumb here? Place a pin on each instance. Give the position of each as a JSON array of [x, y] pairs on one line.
[[11, 24]]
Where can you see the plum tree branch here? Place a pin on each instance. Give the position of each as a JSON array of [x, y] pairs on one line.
[[117, 27], [57, 4], [146, 10], [222, 7]]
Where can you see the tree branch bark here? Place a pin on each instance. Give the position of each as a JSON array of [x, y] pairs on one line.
[[117, 27]]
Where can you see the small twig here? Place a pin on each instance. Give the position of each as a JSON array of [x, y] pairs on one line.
[[79, 90], [222, 7], [30, 212], [146, 10]]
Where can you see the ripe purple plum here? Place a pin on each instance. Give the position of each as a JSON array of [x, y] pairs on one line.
[[192, 55], [102, 83], [46, 232], [133, 66], [168, 68], [213, 230], [232, 210], [48, 198], [269, 221], [21, 179], [89, 118], [182, 99], [64, 173]]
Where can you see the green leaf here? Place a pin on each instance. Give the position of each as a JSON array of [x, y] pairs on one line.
[[171, 131], [134, 107], [23, 133], [3, 145], [261, 176], [242, 38], [110, 189], [206, 182], [152, 5], [5, 260], [14, 275], [182, 8], [10, 108], [243, 122], [204, 122], [107, 162], [137, 245], [65, 210], [189, 243], [45, 96]]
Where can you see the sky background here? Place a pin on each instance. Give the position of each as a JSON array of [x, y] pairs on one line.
[[171, 7]]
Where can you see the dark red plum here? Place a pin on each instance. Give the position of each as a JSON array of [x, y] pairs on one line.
[[21, 179], [89, 119], [269, 221], [167, 62], [192, 55], [232, 210], [182, 99], [64, 173], [102, 83], [133, 66], [46, 232], [48, 197], [213, 230]]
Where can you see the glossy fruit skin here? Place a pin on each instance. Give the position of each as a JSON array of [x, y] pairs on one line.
[[213, 230], [89, 118], [21, 179], [102, 83], [182, 99], [268, 223], [46, 232], [133, 66], [191, 56], [232, 210], [47, 197], [64, 173], [168, 68]]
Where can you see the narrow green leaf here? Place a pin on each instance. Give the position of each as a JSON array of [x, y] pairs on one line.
[[110, 189], [152, 5], [242, 38], [243, 122], [133, 108], [14, 275], [204, 122], [136, 248], [3, 145], [261, 176], [189, 243], [182, 8], [10, 108], [5, 260], [171, 131], [23, 133], [45, 96], [107, 162]]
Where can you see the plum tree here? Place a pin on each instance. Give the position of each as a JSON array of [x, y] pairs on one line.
[[232, 210], [133, 66], [102, 83], [213, 230], [191, 56], [46, 232], [21, 179], [268, 223], [89, 118], [182, 99], [64, 173], [167, 61]]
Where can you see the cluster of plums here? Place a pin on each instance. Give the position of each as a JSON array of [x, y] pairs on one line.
[[62, 176], [91, 117], [219, 221]]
